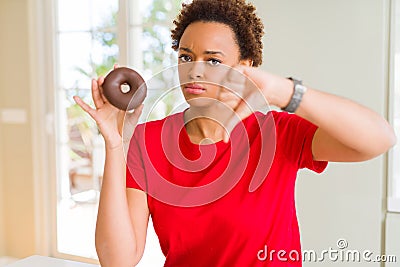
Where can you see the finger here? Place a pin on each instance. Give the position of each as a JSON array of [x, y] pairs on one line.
[[229, 98], [96, 95], [236, 75], [257, 78], [241, 112], [134, 116], [115, 66], [230, 125], [230, 90], [85, 107], [249, 105], [130, 122], [256, 101], [100, 82], [235, 81]]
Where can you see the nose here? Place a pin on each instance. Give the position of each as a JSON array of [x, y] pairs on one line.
[[196, 70]]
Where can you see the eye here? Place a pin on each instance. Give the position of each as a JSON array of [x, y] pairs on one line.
[[185, 58], [214, 62]]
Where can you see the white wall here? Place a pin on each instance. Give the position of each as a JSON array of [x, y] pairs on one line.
[[339, 47], [392, 243]]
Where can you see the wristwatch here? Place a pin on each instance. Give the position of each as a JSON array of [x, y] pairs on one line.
[[298, 92]]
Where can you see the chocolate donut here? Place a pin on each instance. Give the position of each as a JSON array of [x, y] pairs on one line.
[[113, 88]]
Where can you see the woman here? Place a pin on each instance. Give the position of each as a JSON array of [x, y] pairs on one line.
[[253, 208]]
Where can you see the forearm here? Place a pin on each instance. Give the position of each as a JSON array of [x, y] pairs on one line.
[[115, 237], [347, 131], [353, 125], [116, 234]]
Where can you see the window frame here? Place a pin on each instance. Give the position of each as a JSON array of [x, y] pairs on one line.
[[43, 80], [122, 17], [393, 200]]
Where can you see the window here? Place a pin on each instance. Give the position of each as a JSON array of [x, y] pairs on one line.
[[90, 37], [86, 46], [394, 156]]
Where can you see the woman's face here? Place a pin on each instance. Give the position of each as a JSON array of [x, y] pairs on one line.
[[207, 50]]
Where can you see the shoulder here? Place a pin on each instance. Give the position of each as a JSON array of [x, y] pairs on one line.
[[278, 118], [155, 126], [288, 121], [282, 123], [282, 117]]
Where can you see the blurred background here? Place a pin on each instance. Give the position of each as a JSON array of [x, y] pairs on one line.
[[51, 153]]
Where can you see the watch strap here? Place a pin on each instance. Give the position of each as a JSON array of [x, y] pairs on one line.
[[298, 92]]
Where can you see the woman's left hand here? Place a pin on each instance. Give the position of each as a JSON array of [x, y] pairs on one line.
[[247, 89]]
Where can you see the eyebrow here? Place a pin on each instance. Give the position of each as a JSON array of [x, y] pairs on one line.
[[207, 52]]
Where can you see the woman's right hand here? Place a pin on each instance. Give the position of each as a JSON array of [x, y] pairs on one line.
[[112, 122]]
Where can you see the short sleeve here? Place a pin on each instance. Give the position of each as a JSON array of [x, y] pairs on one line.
[[295, 136], [135, 173], [306, 159]]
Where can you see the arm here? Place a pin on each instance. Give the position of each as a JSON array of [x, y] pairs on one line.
[[346, 131], [123, 213], [122, 216]]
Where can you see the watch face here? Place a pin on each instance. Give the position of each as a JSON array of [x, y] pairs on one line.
[[301, 88]]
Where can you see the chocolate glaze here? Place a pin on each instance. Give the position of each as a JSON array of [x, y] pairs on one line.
[[112, 88]]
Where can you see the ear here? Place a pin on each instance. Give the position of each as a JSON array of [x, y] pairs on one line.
[[246, 62]]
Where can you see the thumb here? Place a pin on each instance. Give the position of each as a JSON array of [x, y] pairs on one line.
[[130, 121]]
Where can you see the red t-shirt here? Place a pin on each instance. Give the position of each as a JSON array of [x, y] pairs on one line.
[[224, 204]]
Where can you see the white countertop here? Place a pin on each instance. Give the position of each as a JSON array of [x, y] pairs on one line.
[[41, 261]]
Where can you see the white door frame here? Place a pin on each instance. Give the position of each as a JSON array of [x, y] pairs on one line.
[[41, 69]]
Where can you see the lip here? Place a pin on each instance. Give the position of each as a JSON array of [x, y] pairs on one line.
[[194, 89]]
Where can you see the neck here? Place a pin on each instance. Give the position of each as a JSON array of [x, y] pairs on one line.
[[202, 126]]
